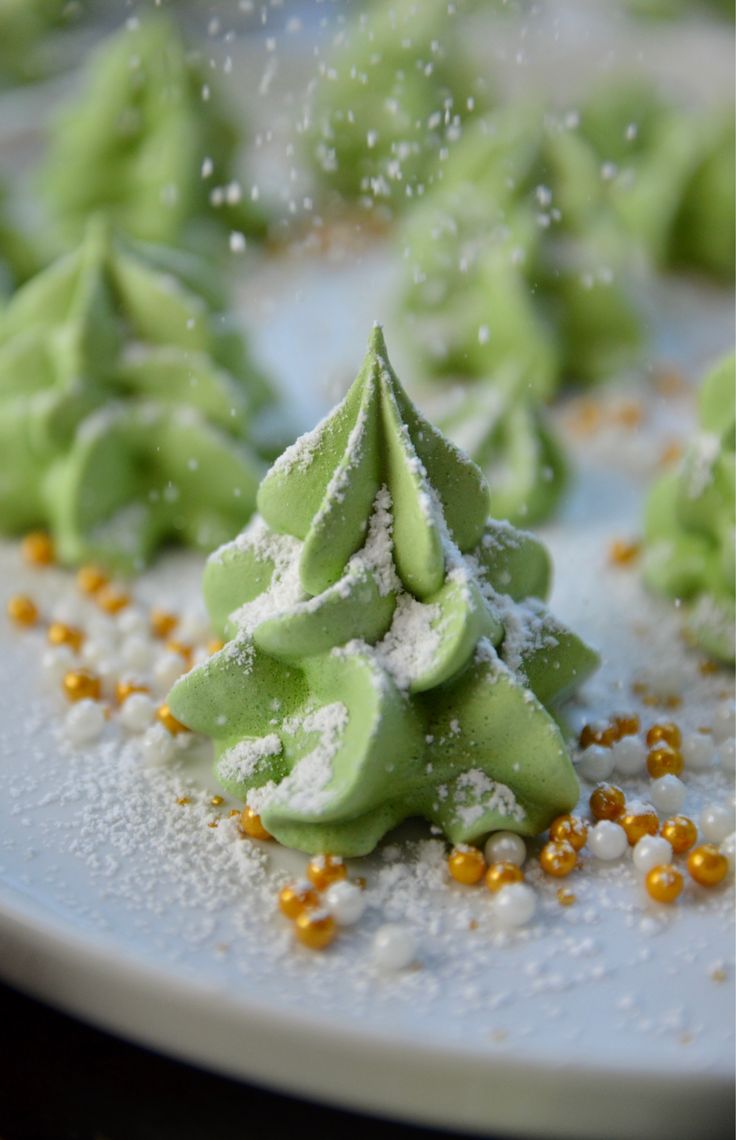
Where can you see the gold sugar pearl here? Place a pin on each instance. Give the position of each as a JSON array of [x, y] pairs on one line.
[[607, 802], [466, 865], [605, 737], [706, 865], [315, 929], [499, 875], [664, 760], [558, 859], [37, 548], [214, 645], [112, 599], [295, 898], [169, 721], [91, 579], [664, 883], [637, 824], [324, 870], [61, 634], [626, 724], [22, 610], [565, 896], [250, 824], [80, 685], [680, 832], [664, 732], [217, 800], [622, 552], [163, 623], [125, 689], [569, 829]]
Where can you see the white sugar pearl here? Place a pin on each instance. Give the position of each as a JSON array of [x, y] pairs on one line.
[[505, 847], [84, 721], [394, 947], [651, 851], [157, 745], [728, 848], [56, 662], [717, 822], [168, 669], [96, 649], [193, 627], [667, 794], [607, 840], [727, 754], [595, 764], [137, 712], [345, 902], [629, 755], [698, 751], [515, 905], [70, 611], [136, 652], [131, 621], [724, 720]]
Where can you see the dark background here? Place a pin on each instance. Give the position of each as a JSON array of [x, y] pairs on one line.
[[62, 1080]]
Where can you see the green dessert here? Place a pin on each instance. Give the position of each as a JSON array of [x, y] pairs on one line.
[[389, 100], [689, 521], [389, 653], [19, 256], [125, 403], [514, 286], [149, 141], [671, 175]]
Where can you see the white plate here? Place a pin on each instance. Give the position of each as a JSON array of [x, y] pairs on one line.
[[610, 1018]]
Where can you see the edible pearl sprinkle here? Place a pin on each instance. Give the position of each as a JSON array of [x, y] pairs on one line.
[[607, 840], [698, 752], [56, 663], [515, 905], [137, 712], [505, 847], [717, 822], [724, 721], [157, 745], [651, 851], [84, 722], [727, 753], [728, 849], [394, 947], [668, 794], [345, 902], [168, 669], [629, 755], [596, 763]]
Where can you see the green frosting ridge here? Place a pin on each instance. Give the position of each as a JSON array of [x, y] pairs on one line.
[[689, 521], [389, 100], [125, 403], [135, 141], [389, 653]]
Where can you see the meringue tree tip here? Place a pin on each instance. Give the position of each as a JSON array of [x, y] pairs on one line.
[[376, 340]]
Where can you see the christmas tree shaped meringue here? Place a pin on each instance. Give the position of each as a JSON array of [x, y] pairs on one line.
[[389, 653], [393, 94], [689, 521], [150, 142], [125, 405]]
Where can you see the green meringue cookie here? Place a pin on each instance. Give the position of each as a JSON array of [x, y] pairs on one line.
[[19, 256], [125, 404], [144, 144], [389, 653], [392, 95], [689, 521], [672, 181]]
